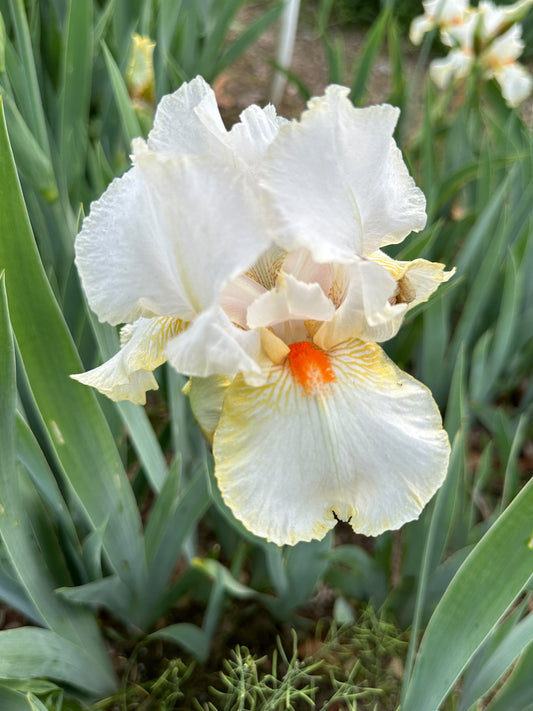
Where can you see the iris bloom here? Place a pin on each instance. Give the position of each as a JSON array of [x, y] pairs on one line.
[[443, 14], [251, 261], [487, 35]]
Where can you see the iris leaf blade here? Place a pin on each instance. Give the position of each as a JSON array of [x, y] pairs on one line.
[[478, 596], [77, 428]]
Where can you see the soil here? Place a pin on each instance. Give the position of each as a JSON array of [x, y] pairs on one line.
[[249, 79]]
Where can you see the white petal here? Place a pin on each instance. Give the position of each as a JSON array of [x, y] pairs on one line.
[[457, 65], [419, 26], [212, 345], [251, 136], [188, 122], [516, 83], [505, 48], [266, 269], [237, 297], [291, 299], [166, 237], [128, 374], [416, 280], [446, 11], [366, 311], [337, 182], [461, 34], [367, 445], [302, 266]]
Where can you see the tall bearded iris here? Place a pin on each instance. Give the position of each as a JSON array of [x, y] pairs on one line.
[[488, 36], [251, 261]]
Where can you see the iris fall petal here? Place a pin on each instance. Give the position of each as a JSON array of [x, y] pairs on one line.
[[365, 442]]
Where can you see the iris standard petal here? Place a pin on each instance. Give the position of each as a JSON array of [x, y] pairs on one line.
[[188, 122], [291, 299], [156, 242], [342, 168], [366, 311], [251, 136], [358, 438], [212, 345], [128, 374]]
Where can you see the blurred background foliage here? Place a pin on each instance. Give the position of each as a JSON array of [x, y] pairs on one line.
[[117, 551]]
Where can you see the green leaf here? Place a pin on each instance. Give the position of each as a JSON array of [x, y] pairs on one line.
[[13, 700], [134, 417], [2, 44], [33, 652], [173, 518], [74, 92], [215, 570], [517, 694], [483, 589], [507, 651], [78, 431], [32, 160], [30, 455], [252, 32], [28, 88], [373, 41], [187, 636], [75, 628], [128, 117]]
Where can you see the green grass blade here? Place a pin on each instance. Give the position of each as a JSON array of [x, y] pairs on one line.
[[483, 589], [77, 428]]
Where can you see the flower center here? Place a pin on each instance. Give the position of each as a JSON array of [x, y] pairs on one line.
[[310, 366]]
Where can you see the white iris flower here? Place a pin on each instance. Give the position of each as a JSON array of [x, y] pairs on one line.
[[487, 35], [251, 261]]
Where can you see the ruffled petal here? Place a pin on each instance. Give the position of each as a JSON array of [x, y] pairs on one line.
[[342, 168], [212, 345], [128, 374], [505, 48], [166, 237], [419, 27], [366, 443], [416, 280], [188, 122], [251, 136], [446, 11], [516, 83], [366, 311], [456, 65], [291, 299]]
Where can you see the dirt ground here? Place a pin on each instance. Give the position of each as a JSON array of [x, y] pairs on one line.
[[249, 79]]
